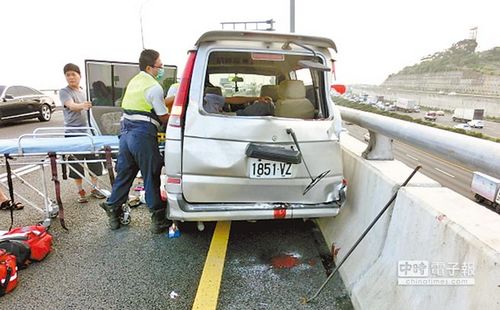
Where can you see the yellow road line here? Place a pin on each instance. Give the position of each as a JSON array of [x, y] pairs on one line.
[[208, 289]]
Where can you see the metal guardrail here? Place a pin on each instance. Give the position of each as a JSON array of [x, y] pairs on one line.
[[478, 154]]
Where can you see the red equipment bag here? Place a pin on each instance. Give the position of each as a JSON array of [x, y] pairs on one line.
[[19, 249], [8, 272], [39, 241]]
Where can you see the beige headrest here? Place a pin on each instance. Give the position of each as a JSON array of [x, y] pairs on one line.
[[269, 91], [292, 89]]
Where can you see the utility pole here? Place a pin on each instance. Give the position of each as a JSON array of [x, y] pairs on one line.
[[292, 16], [140, 19]]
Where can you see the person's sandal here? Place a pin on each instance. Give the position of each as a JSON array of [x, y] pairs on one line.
[[82, 198], [97, 194], [7, 204], [18, 206]]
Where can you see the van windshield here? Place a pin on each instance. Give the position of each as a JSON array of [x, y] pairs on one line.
[[264, 84]]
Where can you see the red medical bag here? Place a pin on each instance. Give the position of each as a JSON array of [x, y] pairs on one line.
[[39, 240], [8, 272]]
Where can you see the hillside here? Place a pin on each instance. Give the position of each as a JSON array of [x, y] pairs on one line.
[[461, 56], [457, 69]]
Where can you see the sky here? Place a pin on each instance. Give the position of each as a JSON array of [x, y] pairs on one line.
[[374, 38]]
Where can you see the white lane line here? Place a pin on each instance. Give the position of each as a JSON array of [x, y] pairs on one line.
[[19, 171], [444, 172], [414, 158]]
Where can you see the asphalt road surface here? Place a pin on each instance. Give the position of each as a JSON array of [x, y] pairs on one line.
[[13, 129], [491, 129], [268, 264]]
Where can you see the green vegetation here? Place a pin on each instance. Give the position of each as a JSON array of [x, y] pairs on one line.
[[461, 56], [493, 119], [367, 108]]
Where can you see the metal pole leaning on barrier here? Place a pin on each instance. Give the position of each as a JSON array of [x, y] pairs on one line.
[[306, 300]]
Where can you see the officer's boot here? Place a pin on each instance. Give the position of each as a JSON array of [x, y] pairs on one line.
[[113, 213], [159, 222]]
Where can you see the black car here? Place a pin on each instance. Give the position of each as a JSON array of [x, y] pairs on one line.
[[21, 102]]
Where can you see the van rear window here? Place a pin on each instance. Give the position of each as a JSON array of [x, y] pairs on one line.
[[264, 84]]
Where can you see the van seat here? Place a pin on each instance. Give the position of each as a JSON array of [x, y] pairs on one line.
[[292, 101], [269, 91]]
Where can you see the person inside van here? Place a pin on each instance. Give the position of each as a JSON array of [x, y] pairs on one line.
[[241, 105], [170, 97], [102, 95]]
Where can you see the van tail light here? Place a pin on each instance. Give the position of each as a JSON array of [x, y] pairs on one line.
[[181, 99]]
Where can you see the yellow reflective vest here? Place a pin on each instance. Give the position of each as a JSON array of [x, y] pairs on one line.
[[135, 95]]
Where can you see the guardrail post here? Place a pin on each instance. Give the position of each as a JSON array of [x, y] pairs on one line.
[[379, 147]]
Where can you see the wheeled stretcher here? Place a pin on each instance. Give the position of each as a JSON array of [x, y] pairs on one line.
[[52, 147]]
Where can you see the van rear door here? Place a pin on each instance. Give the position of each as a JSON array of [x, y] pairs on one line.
[[217, 165], [106, 82]]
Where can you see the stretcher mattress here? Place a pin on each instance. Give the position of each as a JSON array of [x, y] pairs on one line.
[[58, 145]]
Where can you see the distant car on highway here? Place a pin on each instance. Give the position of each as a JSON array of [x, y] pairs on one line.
[[430, 116], [476, 123], [22, 102], [390, 108], [462, 126], [440, 113]]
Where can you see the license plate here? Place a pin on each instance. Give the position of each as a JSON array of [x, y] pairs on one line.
[[266, 169]]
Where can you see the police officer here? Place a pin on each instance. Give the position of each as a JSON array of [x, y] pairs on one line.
[[144, 111]]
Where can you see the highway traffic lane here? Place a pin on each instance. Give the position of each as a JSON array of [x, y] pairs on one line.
[[92, 267], [445, 173], [13, 129], [273, 264], [491, 129], [76, 216], [462, 176]]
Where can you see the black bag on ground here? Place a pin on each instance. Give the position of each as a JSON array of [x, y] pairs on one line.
[[19, 249]]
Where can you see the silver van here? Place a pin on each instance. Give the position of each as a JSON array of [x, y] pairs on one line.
[[253, 133]]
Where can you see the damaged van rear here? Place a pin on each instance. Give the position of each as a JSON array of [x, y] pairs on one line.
[[253, 133]]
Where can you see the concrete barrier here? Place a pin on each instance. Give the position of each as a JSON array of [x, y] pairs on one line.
[[427, 223]]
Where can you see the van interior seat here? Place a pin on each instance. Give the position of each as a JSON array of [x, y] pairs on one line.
[[269, 91], [292, 101]]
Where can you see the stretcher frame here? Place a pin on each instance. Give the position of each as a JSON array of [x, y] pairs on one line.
[[31, 162]]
